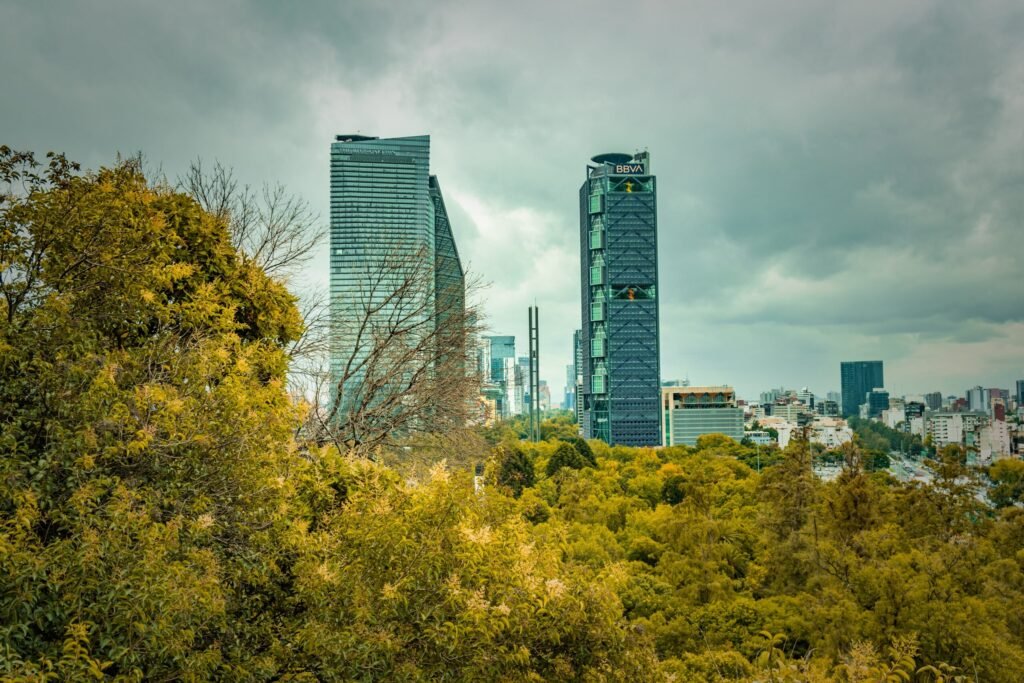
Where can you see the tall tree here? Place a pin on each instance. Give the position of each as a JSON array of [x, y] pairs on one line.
[[144, 429]]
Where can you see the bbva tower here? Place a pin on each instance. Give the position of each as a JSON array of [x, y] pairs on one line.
[[619, 285]]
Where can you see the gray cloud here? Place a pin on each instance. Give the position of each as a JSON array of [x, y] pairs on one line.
[[835, 182]]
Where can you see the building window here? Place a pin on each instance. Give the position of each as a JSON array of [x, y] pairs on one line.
[[595, 240], [597, 275], [597, 383], [596, 203], [597, 347], [596, 311]]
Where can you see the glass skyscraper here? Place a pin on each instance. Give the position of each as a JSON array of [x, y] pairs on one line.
[[858, 378], [619, 258], [502, 371], [388, 219]]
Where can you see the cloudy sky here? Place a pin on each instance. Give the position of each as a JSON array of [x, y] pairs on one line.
[[837, 181]]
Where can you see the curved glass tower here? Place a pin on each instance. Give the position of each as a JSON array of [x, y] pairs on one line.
[[619, 340]]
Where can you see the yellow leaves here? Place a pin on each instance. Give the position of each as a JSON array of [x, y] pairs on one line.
[[439, 473], [555, 588], [478, 536], [26, 509], [325, 573], [76, 662], [179, 271], [138, 445]]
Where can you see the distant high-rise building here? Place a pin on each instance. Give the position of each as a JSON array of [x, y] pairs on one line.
[[544, 403], [386, 208], [483, 360], [976, 399], [570, 387], [577, 361], [1020, 393], [827, 408], [857, 379], [876, 400], [834, 396], [933, 400], [502, 349], [690, 412], [993, 396], [806, 396], [619, 267], [524, 373], [514, 390]]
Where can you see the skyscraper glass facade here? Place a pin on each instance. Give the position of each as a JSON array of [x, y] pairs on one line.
[[386, 208], [619, 337], [503, 371], [858, 378], [449, 282]]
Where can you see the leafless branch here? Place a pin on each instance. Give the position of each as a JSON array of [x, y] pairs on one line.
[[400, 350], [275, 229]]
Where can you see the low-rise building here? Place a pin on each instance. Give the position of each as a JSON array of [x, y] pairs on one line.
[[689, 412], [760, 438], [831, 432], [994, 441], [954, 428]]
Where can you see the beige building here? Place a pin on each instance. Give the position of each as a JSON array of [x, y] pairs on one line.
[[689, 412]]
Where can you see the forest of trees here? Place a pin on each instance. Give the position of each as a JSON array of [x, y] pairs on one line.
[[163, 516]]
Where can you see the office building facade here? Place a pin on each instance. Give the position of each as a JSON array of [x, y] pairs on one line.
[[577, 362], [877, 401], [569, 400], [501, 350], [619, 277], [857, 379], [387, 209], [689, 412]]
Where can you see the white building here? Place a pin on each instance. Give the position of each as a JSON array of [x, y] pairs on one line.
[[831, 432], [954, 428], [893, 416], [994, 441]]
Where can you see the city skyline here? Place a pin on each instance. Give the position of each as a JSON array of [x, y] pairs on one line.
[[837, 182]]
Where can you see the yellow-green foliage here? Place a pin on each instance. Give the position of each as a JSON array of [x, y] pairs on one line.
[[780, 576], [159, 520]]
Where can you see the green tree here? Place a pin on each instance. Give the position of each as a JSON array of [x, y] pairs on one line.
[[144, 428], [583, 448], [565, 455], [514, 468]]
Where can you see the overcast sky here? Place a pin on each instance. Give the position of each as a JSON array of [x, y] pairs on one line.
[[837, 181]]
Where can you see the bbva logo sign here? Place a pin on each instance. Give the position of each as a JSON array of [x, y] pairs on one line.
[[629, 168]]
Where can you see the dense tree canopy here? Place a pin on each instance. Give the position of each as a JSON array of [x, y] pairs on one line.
[[160, 519]]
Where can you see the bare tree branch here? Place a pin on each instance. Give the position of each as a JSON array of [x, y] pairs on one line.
[[401, 358], [276, 230]]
